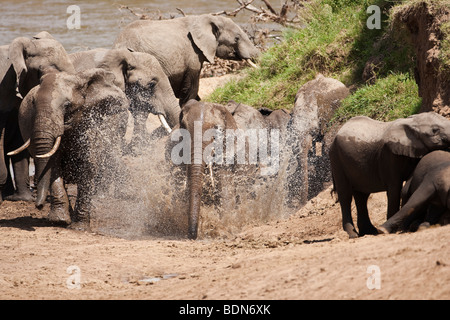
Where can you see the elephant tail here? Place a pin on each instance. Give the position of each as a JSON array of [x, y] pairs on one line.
[[333, 192]]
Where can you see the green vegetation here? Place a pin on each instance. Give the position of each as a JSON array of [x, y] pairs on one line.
[[392, 97], [377, 64], [444, 55]]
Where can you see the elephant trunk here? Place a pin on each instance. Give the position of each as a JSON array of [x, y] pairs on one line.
[[195, 174], [195, 177], [43, 143], [172, 110]]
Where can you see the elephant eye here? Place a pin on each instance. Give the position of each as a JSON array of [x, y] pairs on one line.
[[435, 130], [237, 38]]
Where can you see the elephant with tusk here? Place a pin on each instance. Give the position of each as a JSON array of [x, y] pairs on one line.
[[225, 140], [74, 126], [22, 64], [142, 79], [182, 45]]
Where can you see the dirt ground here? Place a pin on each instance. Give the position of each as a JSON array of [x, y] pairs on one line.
[[305, 256]]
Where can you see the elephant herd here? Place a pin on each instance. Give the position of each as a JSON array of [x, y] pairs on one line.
[[69, 112]]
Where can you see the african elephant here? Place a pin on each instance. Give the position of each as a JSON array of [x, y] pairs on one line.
[[224, 137], [74, 123], [182, 45], [22, 64], [306, 142], [371, 156], [10, 137], [428, 188], [142, 79], [196, 119], [247, 117]]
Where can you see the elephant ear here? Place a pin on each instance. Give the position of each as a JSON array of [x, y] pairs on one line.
[[204, 30], [92, 76], [16, 54], [403, 139], [116, 62]]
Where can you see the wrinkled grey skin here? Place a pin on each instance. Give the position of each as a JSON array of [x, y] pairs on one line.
[[370, 156], [182, 45], [211, 116], [10, 137], [143, 80], [22, 64], [427, 190], [215, 116], [247, 117], [90, 114]]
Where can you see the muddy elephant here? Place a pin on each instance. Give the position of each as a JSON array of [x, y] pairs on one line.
[[307, 142], [247, 117], [227, 141], [22, 64], [370, 156], [182, 45], [196, 119], [425, 195], [142, 79], [74, 124]]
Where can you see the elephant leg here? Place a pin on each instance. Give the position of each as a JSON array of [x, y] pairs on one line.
[[20, 162], [3, 167], [343, 189], [83, 206], [59, 209], [20, 165], [59, 201], [394, 194], [433, 214], [365, 226], [346, 210], [190, 87], [8, 187], [403, 218]]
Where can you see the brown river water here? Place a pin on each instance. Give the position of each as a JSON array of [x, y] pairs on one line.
[[99, 21]]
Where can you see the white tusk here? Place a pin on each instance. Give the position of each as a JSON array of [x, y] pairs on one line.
[[250, 62], [164, 123], [54, 149], [211, 174], [18, 94], [19, 150]]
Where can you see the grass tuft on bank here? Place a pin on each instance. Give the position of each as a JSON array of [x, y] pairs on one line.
[[376, 64]]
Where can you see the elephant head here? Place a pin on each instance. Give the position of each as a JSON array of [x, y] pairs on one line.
[[32, 58], [418, 135], [197, 118], [142, 79], [221, 37], [58, 117], [144, 82], [182, 45]]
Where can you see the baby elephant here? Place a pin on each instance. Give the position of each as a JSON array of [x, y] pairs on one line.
[[429, 185]]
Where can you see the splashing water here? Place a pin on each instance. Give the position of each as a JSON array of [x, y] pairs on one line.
[[151, 200]]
